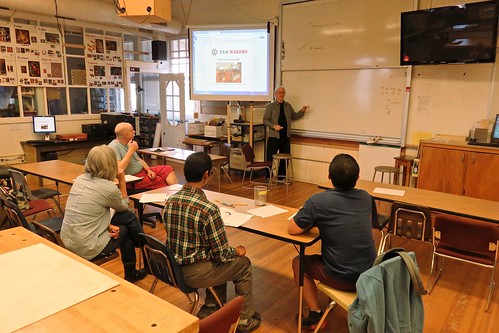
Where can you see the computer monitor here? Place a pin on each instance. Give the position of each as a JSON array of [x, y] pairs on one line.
[[44, 125], [494, 138]]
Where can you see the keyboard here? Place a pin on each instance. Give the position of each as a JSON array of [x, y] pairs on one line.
[[485, 144]]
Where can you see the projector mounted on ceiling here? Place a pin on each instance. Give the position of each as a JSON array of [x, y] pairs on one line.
[[146, 11]]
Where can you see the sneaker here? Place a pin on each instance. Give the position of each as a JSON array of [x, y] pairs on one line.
[[136, 275], [312, 320], [207, 310], [249, 325]]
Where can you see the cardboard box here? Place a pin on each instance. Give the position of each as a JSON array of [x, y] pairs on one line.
[[237, 160], [195, 128], [213, 131]]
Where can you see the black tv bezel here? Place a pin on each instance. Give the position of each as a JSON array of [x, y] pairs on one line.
[[493, 49], [44, 117]]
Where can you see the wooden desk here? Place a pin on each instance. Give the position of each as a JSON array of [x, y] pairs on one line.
[[275, 227], [124, 308], [206, 144], [56, 170], [36, 151], [480, 209], [180, 155]]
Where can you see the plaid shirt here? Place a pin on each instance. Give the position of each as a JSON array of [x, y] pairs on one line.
[[194, 228]]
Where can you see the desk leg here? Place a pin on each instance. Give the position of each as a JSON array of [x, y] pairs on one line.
[[300, 283], [140, 211], [219, 172]]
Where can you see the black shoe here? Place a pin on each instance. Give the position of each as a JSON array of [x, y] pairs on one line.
[[207, 310], [312, 320], [135, 275], [250, 324]]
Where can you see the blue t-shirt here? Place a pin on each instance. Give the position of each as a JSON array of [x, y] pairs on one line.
[[344, 219]]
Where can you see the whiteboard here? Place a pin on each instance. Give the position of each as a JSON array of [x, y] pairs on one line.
[[349, 104], [329, 34]]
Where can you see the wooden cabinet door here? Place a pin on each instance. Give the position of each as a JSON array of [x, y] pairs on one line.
[[442, 170], [482, 176]]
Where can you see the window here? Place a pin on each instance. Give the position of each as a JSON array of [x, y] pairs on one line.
[[179, 58]]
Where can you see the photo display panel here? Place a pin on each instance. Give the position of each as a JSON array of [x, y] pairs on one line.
[[104, 60]]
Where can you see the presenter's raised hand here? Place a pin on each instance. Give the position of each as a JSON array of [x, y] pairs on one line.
[[305, 108]]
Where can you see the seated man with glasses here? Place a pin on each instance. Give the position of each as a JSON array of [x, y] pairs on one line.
[[126, 152]]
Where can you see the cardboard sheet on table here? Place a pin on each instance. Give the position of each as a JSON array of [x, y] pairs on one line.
[[40, 281]]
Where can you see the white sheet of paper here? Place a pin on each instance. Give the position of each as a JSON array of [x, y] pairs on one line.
[[232, 218], [41, 281], [266, 211], [381, 190], [131, 178], [154, 197]]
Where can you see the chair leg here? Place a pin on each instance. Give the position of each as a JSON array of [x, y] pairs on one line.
[[434, 264], [215, 295], [491, 288], [326, 312], [153, 286], [381, 242], [227, 174], [194, 303]]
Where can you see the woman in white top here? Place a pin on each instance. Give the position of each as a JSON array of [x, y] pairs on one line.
[[88, 228]]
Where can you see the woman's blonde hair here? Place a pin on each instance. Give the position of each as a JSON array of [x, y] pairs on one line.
[[101, 162]]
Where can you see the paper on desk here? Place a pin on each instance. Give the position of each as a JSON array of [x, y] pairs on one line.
[[232, 218], [266, 211], [160, 197], [131, 178], [380, 190]]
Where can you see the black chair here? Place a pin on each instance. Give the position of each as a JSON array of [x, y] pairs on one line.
[[149, 218], [163, 267], [20, 184], [51, 235], [17, 219], [379, 222]]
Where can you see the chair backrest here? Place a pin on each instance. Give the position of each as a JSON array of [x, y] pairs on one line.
[[378, 221], [225, 151], [249, 154], [162, 263], [15, 216], [411, 221], [224, 320], [466, 238], [20, 185], [47, 233]]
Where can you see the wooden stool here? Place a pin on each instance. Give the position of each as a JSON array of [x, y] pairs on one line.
[[406, 162], [288, 162], [389, 170]]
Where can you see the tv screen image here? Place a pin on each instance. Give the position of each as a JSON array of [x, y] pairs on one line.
[[44, 125], [464, 33], [232, 64]]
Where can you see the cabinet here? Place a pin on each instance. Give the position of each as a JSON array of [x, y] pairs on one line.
[[458, 168], [147, 131]]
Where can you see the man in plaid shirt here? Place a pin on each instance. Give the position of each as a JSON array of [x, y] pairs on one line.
[[196, 234]]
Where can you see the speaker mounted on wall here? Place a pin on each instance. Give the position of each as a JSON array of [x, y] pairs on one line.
[[159, 50]]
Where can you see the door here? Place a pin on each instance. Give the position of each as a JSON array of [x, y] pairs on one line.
[[172, 105], [482, 179]]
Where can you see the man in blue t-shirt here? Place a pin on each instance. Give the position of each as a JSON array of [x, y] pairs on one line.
[[343, 216]]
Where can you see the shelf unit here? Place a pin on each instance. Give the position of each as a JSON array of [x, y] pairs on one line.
[[147, 131], [241, 133]]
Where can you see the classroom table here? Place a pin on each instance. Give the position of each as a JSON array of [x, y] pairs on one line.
[[179, 155], [480, 209], [275, 227], [206, 144], [56, 170], [122, 308]]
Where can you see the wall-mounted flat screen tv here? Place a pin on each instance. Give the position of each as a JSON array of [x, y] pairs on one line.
[[464, 33], [232, 63]]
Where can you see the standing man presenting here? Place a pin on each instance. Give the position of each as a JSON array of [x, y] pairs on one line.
[[278, 116], [125, 148]]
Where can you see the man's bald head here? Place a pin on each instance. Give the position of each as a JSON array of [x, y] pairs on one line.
[[122, 129]]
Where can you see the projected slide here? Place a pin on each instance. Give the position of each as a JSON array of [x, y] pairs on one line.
[[231, 64]]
